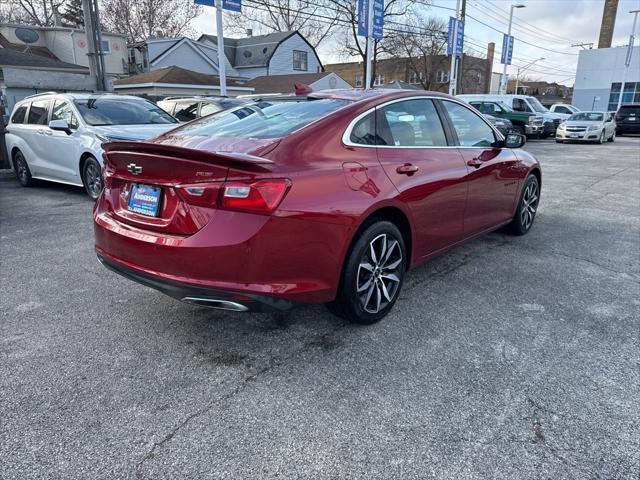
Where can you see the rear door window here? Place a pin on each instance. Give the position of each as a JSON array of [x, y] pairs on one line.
[[519, 105], [186, 111], [413, 123], [39, 113], [472, 131], [208, 108], [19, 114]]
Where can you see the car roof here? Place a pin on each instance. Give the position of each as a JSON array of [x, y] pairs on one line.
[[77, 96]]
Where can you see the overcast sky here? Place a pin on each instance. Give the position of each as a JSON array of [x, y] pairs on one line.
[[545, 24]]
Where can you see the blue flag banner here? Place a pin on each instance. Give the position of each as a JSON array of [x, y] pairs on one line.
[[232, 5], [507, 49], [458, 27], [378, 18], [363, 18]]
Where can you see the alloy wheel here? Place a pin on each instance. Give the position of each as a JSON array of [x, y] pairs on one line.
[[21, 168], [379, 273], [529, 205], [93, 179]]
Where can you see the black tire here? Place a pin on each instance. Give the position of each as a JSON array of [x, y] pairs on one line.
[[527, 207], [369, 287], [92, 178], [612, 138], [559, 141], [21, 168], [519, 129]]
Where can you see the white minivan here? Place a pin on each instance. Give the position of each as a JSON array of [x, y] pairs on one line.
[[523, 103], [58, 137]]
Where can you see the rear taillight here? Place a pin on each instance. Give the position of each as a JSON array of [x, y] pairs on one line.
[[200, 194], [260, 196]]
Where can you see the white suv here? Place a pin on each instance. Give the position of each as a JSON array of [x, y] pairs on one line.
[[58, 137]]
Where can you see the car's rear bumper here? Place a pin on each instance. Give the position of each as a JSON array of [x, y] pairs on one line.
[[628, 127], [194, 294], [277, 257]]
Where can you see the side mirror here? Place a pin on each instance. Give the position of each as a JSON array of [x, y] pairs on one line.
[[60, 125], [515, 140]]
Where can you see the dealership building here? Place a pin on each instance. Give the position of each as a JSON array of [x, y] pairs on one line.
[[599, 78]]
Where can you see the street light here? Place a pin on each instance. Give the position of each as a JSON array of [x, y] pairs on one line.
[[524, 68], [504, 70]]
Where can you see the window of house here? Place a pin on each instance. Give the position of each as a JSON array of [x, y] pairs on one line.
[[416, 77], [18, 116], [63, 111], [300, 60], [471, 130], [132, 56], [358, 81], [105, 46], [442, 76], [39, 113], [379, 80], [412, 123]]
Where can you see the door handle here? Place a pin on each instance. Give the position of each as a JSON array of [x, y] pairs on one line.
[[475, 162], [407, 169], [44, 132]]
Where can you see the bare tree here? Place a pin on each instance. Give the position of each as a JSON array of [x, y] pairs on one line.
[[141, 19], [355, 46], [311, 19], [423, 42], [34, 12]]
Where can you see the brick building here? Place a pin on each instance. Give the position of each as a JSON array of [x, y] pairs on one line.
[[436, 77]]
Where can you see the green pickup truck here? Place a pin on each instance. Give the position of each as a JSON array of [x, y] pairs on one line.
[[528, 124]]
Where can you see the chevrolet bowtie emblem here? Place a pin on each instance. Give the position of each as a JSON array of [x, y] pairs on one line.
[[133, 168]]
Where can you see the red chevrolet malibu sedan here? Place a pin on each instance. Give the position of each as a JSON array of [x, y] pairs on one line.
[[327, 198]]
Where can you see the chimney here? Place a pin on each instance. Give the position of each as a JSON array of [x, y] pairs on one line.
[[249, 32], [608, 23], [159, 34], [491, 47]]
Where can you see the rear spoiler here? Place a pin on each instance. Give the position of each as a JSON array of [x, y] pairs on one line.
[[228, 159]]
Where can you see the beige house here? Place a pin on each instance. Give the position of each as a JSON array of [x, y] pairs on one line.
[[68, 45]]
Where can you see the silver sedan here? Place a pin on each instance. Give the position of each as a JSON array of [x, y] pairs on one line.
[[587, 127]]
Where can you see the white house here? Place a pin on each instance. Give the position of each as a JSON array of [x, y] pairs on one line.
[[68, 45], [157, 53], [278, 53], [286, 83], [599, 77]]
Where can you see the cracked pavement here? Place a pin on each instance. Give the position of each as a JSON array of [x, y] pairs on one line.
[[509, 357]]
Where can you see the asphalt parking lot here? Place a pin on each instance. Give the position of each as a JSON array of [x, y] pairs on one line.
[[505, 358]]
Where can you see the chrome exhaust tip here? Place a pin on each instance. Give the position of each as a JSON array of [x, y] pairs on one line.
[[216, 303]]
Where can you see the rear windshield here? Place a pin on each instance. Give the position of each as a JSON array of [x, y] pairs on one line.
[[121, 111], [587, 116], [265, 119], [627, 109]]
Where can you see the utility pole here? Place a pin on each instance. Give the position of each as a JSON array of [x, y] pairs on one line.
[[627, 60], [221, 56], [89, 30], [503, 81], [103, 72], [460, 74], [488, 73], [370, 43], [454, 54]]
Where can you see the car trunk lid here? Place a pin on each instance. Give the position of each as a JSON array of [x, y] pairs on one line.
[[170, 188]]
